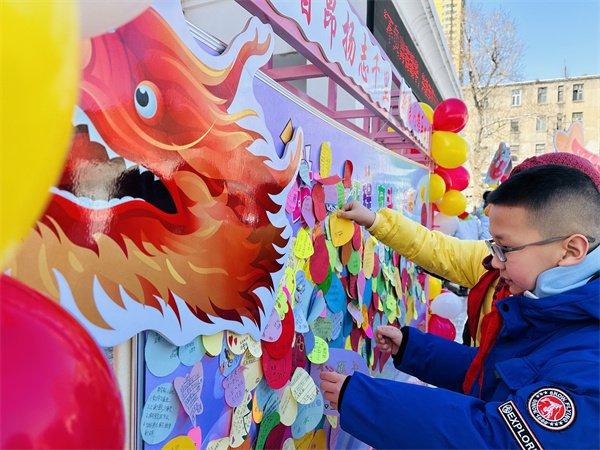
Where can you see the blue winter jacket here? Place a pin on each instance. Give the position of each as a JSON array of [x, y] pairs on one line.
[[540, 388]]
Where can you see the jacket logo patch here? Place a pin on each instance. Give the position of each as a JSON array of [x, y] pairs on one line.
[[518, 427], [552, 408]]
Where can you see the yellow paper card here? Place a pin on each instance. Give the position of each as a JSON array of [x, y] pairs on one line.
[[288, 407], [213, 343], [325, 160], [333, 420], [348, 344], [219, 444], [180, 443], [290, 283], [365, 314], [281, 304], [257, 413], [320, 353], [304, 442], [303, 247], [303, 387], [253, 372], [319, 440], [341, 230], [240, 422], [369, 257], [254, 347]]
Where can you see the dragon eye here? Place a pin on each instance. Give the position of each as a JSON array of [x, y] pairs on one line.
[[146, 99]]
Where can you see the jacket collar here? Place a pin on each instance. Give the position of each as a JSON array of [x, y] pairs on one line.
[[576, 305], [560, 279]]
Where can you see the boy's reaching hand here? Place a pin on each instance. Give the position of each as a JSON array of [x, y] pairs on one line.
[[389, 339], [331, 385], [358, 213]]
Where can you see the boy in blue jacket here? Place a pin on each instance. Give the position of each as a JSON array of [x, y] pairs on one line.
[[534, 381]]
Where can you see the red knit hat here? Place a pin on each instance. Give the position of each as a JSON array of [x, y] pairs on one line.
[[561, 159]]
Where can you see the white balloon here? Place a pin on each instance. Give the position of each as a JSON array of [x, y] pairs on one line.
[[448, 305], [100, 16], [445, 224]]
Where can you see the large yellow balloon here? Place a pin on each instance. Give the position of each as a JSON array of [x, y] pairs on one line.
[[437, 187], [40, 67], [428, 110], [448, 149], [453, 203], [435, 287]]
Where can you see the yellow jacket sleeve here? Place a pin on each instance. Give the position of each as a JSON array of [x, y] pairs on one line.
[[456, 260]]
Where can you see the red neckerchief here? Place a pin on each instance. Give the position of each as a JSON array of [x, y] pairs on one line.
[[490, 324]]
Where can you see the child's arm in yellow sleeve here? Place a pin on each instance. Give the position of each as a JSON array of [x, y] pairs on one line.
[[451, 258]]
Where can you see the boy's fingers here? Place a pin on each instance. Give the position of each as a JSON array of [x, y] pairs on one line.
[[332, 399], [330, 376], [327, 386], [344, 215], [387, 331]]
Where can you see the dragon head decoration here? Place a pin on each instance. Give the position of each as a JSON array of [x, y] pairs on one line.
[[161, 198]]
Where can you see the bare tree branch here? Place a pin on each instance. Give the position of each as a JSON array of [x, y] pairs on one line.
[[492, 55]]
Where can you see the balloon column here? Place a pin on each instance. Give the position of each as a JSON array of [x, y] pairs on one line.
[[449, 151], [56, 386], [444, 307]]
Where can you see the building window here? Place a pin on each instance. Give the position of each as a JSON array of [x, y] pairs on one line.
[[514, 151], [540, 149], [559, 121], [516, 97], [540, 123], [542, 95], [577, 92], [577, 116], [514, 126], [485, 103], [561, 94]]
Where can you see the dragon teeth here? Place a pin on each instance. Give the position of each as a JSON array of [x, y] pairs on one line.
[[89, 203]]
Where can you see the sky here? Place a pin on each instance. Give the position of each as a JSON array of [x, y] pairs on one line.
[[555, 32]]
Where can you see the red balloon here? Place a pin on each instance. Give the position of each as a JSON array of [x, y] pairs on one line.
[[440, 326], [450, 115], [457, 178], [56, 386]]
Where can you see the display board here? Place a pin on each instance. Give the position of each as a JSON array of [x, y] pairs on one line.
[[394, 38], [198, 202]]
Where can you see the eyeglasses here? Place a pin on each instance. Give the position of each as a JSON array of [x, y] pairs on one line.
[[500, 251]]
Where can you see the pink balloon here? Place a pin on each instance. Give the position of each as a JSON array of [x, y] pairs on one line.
[[457, 179], [57, 388], [450, 115], [440, 326]]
